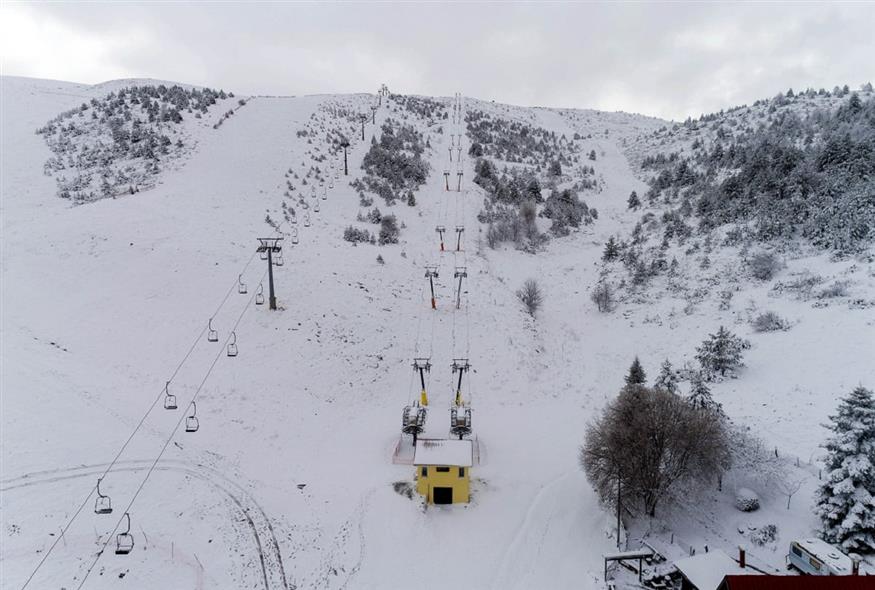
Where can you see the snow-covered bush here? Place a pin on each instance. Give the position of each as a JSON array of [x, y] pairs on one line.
[[764, 535], [531, 296], [389, 230], [837, 289], [603, 296], [747, 500], [355, 235], [770, 322], [764, 265]]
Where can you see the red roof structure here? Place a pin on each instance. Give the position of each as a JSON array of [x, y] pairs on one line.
[[797, 583]]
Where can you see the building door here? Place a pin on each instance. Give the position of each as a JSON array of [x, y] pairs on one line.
[[442, 495]]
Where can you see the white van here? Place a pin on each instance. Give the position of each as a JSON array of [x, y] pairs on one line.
[[818, 558]]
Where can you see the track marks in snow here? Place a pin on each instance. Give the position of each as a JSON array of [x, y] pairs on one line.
[[267, 547]]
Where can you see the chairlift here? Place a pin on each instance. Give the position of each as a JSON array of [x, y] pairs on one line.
[[191, 422], [102, 505], [241, 286], [232, 346], [259, 296], [169, 398], [212, 335], [124, 542]]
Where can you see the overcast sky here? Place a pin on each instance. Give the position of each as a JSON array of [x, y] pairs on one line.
[[664, 59]]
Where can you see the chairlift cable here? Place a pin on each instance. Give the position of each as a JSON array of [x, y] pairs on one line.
[[170, 438], [136, 429]]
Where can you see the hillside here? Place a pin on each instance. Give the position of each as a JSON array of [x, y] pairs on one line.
[[289, 481]]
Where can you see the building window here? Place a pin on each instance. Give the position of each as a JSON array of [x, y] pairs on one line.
[[461, 472], [796, 550], [424, 471], [442, 469], [814, 563]]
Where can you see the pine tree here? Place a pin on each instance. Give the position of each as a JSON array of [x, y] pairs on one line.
[[612, 250], [634, 202], [636, 375], [667, 379], [846, 502], [700, 396], [721, 352]]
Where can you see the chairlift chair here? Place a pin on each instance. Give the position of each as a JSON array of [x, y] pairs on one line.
[[232, 346], [259, 296], [460, 421], [294, 233], [325, 192], [124, 542], [306, 219], [169, 398], [212, 335], [102, 505], [316, 206], [241, 286], [191, 421], [263, 255], [278, 259]]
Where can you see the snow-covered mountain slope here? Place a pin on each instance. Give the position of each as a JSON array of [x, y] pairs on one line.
[[289, 480]]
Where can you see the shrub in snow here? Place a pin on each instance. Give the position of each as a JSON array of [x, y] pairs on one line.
[[603, 297], [389, 230], [355, 235], [764, 535], [764, 265], [721, 352], [770, 322], [654, 442], [846, 501], [531, 296], [747, 500], [837, 289]]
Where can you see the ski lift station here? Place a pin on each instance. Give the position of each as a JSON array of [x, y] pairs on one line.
[[443, 470]]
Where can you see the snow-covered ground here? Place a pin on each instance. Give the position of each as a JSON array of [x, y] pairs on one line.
[[288, 482]]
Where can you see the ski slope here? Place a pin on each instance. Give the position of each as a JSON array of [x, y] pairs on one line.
[[288, 482]]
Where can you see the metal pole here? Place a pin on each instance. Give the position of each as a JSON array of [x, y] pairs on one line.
[[618, 509], [270, 277], [345, 166]]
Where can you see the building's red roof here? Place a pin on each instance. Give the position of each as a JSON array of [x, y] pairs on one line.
[[798, 583]]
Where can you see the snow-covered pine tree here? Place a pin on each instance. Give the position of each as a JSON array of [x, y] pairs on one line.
[[634, 202], [636, 375], [611, 251], [721, 352], [846, 502], [667, 379], [700, 396]]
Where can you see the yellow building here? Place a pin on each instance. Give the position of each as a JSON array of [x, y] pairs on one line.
[[443, 469]]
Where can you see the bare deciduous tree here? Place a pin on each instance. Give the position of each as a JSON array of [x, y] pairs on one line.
[[531, 296], [652, 441], [603, 297]]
